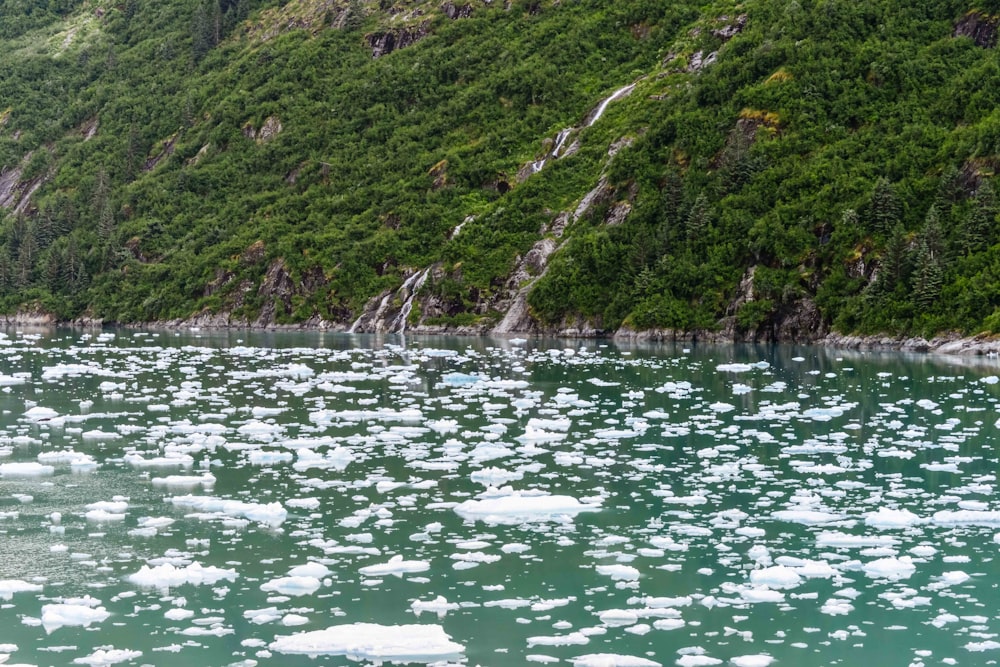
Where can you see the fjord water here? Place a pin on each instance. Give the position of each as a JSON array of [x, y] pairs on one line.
[[201, 498]]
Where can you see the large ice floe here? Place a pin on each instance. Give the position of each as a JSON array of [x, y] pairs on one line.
[[375, 643], [192, 497]]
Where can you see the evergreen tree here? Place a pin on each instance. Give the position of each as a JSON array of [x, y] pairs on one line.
[[698, 217], [976, 230], [929, 276], [892, 265], [885, 208]]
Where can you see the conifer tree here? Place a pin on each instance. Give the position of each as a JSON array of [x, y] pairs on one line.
[[885, 207]]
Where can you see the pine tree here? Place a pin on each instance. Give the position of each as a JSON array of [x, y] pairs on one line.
[[892, 266], [697, 219], [885, 208], [976, 230], [929, 276]]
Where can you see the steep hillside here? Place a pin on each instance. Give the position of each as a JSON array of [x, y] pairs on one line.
[[761, 169]]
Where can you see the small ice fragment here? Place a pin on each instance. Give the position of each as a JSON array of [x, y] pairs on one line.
[[396, 566]]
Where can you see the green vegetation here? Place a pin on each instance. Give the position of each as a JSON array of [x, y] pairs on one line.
[[249, 155]]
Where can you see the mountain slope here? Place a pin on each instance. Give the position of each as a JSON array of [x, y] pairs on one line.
[[763, 169]]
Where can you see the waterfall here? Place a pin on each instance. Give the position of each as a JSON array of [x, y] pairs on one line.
[[410, 289], [378, 313], [560, 140], [618, 94]]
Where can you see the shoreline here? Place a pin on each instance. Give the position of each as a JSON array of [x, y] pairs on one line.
[[987, 345]]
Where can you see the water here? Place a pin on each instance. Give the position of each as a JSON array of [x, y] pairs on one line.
[[212, 495]]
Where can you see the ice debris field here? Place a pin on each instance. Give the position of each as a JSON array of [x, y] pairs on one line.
[[249, 500]]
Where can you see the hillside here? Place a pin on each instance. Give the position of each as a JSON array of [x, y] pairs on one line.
[[764, 169]]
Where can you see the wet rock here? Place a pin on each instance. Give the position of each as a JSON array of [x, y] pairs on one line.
[[455, 12], [384, 43], [981, 28]]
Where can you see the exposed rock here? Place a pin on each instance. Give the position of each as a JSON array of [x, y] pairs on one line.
[[513, 298], [384, 43], [454, 12], [601, 192], [15, 194], [202, 152], [981, 28], [311, 15], [744, 293], [617, 213], [253, 253], [390, 310], [801, 322], [730, 27], [221, 280], [166, 151], [89, 129], [439, 172], [699, 61], [275, 291], [270, 129]]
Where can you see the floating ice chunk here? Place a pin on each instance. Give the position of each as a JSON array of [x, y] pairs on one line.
[[262, 616], [271, 514], [104, 657], [260, 457], [517, 508], [890, 518], [572, 639], [807, 517], [979, 647], [619, 572], [495, 476], [846, 540], [40, 414], [299, 585], [958, 517], [890, 568], [98, 434], [836, 608], [80, 612], [169, 576], [758, 660], [374, 643], [618, 617], [669, 624], [304, 503], [175, 459], [613, 660], [734, 368], [8, 587], [178, 614], [103, 516], [697, 661], [761, 594], [396, 566], [438, 605], [313, 569], [777, 576], [26, 469], [185, 481]]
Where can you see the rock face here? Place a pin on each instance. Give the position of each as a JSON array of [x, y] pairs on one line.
[[979, 27], [271, 128], [15, 194], [454, 12], [384, 43]]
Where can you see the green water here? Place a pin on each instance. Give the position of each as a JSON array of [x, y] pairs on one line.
[[810, 507]]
